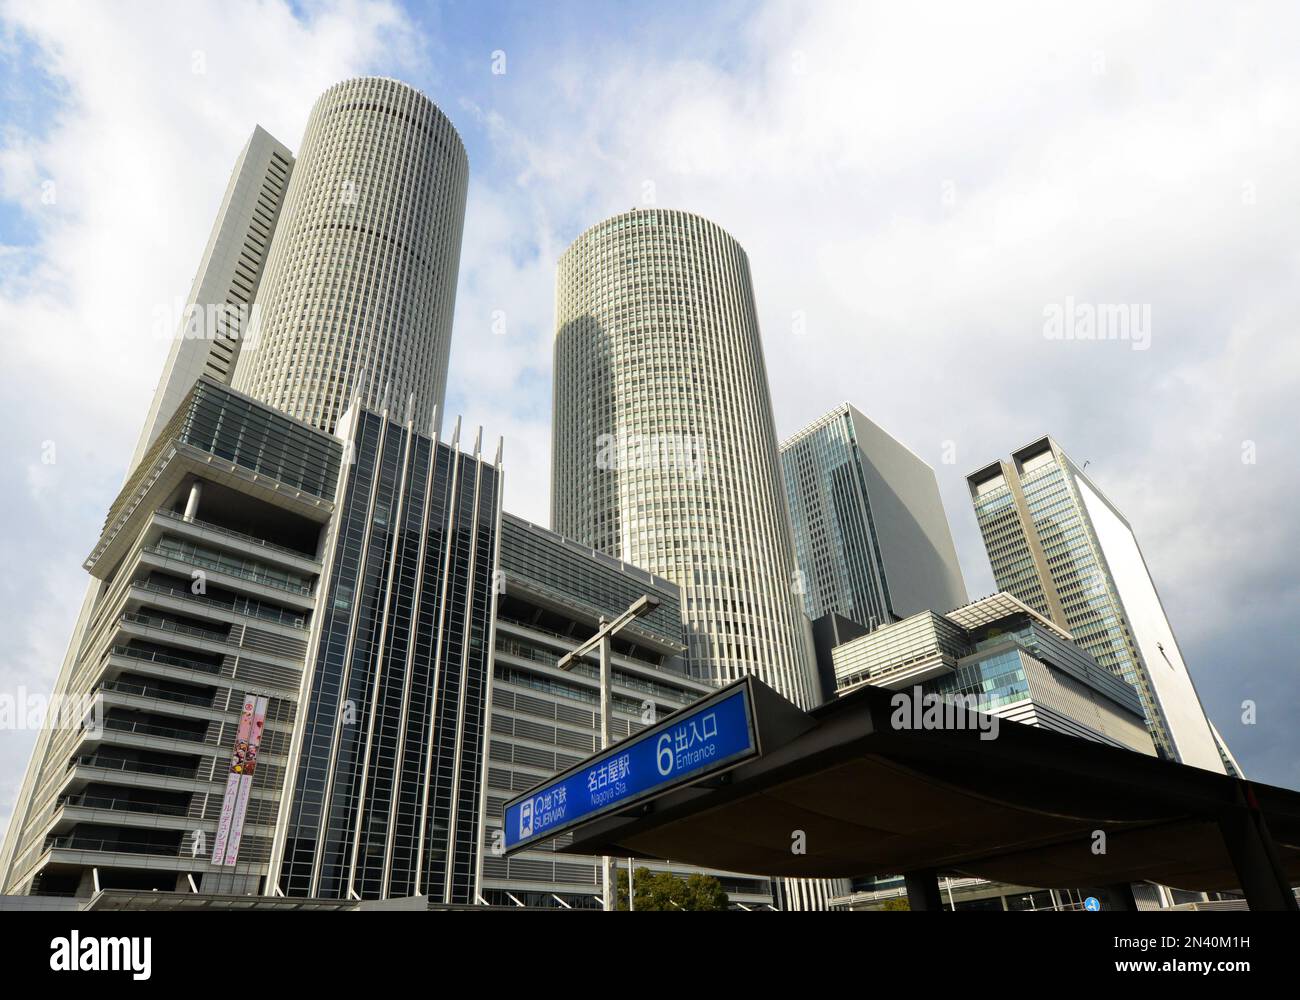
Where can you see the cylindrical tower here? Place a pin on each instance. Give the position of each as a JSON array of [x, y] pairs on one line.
[[361, 281], [664, 449]]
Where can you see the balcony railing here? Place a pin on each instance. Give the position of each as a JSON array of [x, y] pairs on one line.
[[179, 629], [230, 532], [71, 842], [126, 687], [149, 729], [280, 617], [217, 566], [133, 766], [152, 656], [125, 805]]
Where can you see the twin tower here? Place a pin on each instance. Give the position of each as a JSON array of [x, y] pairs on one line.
[[664, 447]]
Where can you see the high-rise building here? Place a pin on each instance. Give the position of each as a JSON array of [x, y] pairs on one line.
[[382, 798], [202, 605], [552, 594], [360, 285], [217, 313], [871, 538], [212, 323], [1059, 545], [664, 449], [282, 689]]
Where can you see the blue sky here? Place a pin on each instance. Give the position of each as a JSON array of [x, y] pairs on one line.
[[915, 186]]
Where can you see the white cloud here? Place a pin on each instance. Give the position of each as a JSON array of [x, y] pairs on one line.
[[824, 138], [1129, 154]]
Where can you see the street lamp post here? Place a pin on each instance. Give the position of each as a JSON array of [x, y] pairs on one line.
[[643, 605]]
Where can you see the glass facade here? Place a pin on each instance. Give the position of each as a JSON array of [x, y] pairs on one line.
[[385, 798], [836, 545], [1002, 653], [1043, 550], [544, 720], [994, 682], [230, 426]]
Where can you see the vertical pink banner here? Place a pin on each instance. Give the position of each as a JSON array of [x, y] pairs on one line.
[[237, 758], [247, 767]]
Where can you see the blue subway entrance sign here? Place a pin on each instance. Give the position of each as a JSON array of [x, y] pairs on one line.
[[701, 739]]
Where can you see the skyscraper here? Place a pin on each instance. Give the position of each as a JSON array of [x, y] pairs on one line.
[[203, 598], [360, 286], [219, 307], [1058, 544], [384, 770], [664, 450], [871, 538], [219, 612]]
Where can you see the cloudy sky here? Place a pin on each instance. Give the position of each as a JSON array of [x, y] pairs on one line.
[[916, 189]]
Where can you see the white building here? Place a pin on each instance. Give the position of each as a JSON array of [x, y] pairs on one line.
[[1058, 544], [664, 448], [360, 286], [220, 304]]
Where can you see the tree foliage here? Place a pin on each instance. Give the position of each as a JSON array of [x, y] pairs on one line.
[[665, 891]]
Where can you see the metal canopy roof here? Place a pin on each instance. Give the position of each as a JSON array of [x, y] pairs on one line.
[[1023, 808], [996, 607]]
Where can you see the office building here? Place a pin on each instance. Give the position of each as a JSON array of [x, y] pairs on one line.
[[188, 672], [360, 285], [282, 689], [351, 255], [382, 798], [1057, 543], [552, 594], [212, 321], [217, 313], [664, 451], [1001, 658], [871, 539]]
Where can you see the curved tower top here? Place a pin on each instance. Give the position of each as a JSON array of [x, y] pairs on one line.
[[360, 286], [664, 448]]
